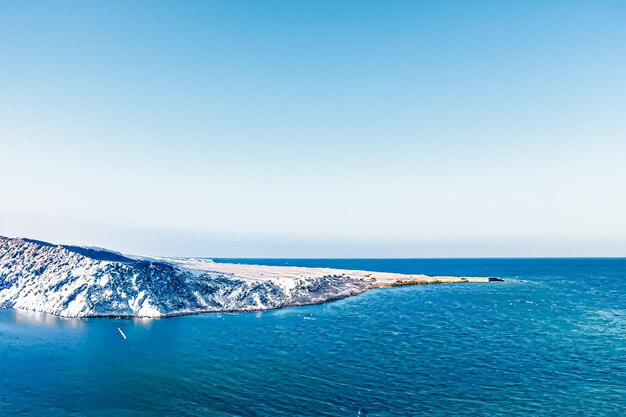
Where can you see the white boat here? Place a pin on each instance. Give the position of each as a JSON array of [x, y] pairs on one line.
[[122, 333]]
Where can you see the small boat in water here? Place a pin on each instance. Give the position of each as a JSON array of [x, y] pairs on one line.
[[122, 333]]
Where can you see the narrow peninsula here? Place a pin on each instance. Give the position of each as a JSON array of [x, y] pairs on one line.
[[76, 281]]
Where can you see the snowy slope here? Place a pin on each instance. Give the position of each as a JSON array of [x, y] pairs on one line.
[[73, 281]]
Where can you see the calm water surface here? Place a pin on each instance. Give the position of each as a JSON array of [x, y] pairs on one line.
[[551, 341]]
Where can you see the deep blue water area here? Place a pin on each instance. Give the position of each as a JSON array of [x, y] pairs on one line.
[[550, 341]]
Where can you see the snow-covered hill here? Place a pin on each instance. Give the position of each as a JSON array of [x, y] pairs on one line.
[[73, 281]]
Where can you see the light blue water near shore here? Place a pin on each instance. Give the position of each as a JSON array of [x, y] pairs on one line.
[[551, 341]]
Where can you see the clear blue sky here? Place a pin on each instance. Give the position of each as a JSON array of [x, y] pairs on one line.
[[316, 128]]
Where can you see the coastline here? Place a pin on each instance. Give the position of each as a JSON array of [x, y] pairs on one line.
[[383, 280], [71, 281]]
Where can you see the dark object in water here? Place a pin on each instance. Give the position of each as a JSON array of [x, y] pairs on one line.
[[495, 279], [362, 412]]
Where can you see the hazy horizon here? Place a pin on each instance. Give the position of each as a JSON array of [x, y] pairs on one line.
[[164, 243], [316, 129]]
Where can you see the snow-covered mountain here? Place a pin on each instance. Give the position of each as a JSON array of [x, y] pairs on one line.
[[74, 281]]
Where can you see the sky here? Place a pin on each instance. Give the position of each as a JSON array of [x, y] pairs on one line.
[[316, 128]]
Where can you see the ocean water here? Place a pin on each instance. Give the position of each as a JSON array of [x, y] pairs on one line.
[[551, 341]]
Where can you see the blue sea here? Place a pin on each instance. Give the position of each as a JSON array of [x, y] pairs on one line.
[[550, 341]]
